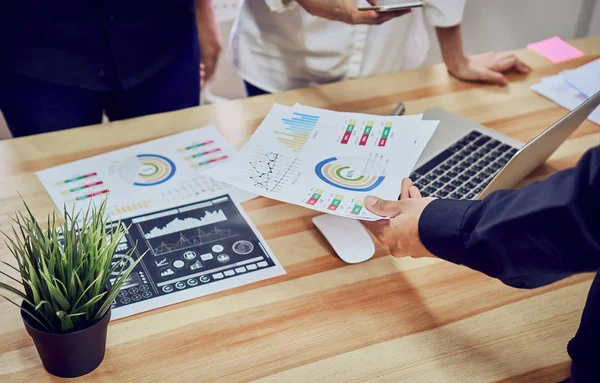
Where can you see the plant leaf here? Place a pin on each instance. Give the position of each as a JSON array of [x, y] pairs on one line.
[[13, 290], [13, 278]]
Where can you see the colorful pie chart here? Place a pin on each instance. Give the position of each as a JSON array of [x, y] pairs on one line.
[[147, 170], [353, 174]]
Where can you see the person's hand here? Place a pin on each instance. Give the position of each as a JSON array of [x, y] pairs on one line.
[[209, 39], [401, 231], [210, 49], [347, 12], [487, 67], [202, 74]]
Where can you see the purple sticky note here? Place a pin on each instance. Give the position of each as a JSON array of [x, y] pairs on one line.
[[556, 49]]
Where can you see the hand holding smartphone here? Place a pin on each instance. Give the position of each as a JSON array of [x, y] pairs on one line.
[[393, 7]]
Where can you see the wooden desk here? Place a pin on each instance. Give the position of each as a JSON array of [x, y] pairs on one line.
[[398, 320]]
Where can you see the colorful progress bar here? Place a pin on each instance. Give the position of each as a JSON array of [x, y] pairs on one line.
[[348, 132], [315, 197], [385, 134], [82, 187], [366, 133], [208, 162], [357, 208], [297, 130], [336, 202], [134, 206], [78, 178], [194, 146], [86, 196], [201, 154]]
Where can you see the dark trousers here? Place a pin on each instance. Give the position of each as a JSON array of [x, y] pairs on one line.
[[252, 90], [583, 348], [32, 106]]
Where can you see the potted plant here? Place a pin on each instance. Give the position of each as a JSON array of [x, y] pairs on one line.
[[67, 283]]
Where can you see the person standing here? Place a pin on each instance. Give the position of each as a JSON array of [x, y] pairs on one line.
[[278, 45], [526, 238], [67, 63]]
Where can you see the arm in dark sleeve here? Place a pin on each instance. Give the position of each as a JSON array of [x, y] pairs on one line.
[[528, 237]]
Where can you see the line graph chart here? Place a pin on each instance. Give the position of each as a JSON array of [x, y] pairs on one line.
[[193, 239], [181, 224], [268, 171]]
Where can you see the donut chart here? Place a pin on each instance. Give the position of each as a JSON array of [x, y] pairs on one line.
[[353, 174], [147, 170]]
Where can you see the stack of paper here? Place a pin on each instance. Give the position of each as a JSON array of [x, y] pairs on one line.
[[147, 175], [571, 87], [328, 161]]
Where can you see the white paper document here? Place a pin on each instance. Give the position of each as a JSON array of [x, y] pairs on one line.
[[143, 176], [586, 78], [189, 251], [328, 161], [572, 87]]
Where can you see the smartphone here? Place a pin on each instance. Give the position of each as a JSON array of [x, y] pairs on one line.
[[393, 7]]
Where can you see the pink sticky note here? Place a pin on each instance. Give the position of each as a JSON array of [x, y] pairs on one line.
[[556, 49]]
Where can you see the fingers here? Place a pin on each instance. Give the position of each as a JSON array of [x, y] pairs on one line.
[[521, 67], [375, 18], [384, 17], [404, 191], [363, 17], [211, 66], [376, 227], [383, 208], [414, 192], [492, 77], [387, 16], [373, 2], [504, 64], [507, 61]]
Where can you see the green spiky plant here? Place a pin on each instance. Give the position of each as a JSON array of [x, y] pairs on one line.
[[64, 269]]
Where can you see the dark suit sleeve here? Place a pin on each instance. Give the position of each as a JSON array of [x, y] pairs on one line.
[[528, 237]]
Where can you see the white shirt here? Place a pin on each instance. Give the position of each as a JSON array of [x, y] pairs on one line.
[[276, 45]]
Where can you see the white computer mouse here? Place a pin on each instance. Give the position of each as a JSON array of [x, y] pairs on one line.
[[348, 237]]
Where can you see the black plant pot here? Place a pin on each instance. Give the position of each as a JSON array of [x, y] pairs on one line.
[[72, 354]]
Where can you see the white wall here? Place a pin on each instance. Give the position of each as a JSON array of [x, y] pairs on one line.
[[489, 25], [502, 25], [595, 20]]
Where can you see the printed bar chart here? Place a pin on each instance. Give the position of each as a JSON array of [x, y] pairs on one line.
[[78, 178], [134, 206], [357, 208], [348, 132], [366, 133], [86, 196], [208, 162], [297, 130], [336, 202], [202, 154], [315, 197], [78, 188], [385, 134], [197, 145]]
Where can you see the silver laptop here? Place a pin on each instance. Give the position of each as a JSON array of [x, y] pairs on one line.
[[465, 160]]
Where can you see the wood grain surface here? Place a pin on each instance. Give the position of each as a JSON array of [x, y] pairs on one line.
[[394, 320]]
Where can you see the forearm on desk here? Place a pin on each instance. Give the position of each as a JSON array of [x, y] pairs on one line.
[[528, 237], [451, 46]]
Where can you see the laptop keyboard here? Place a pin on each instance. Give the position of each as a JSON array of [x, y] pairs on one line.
[[463, 170]]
